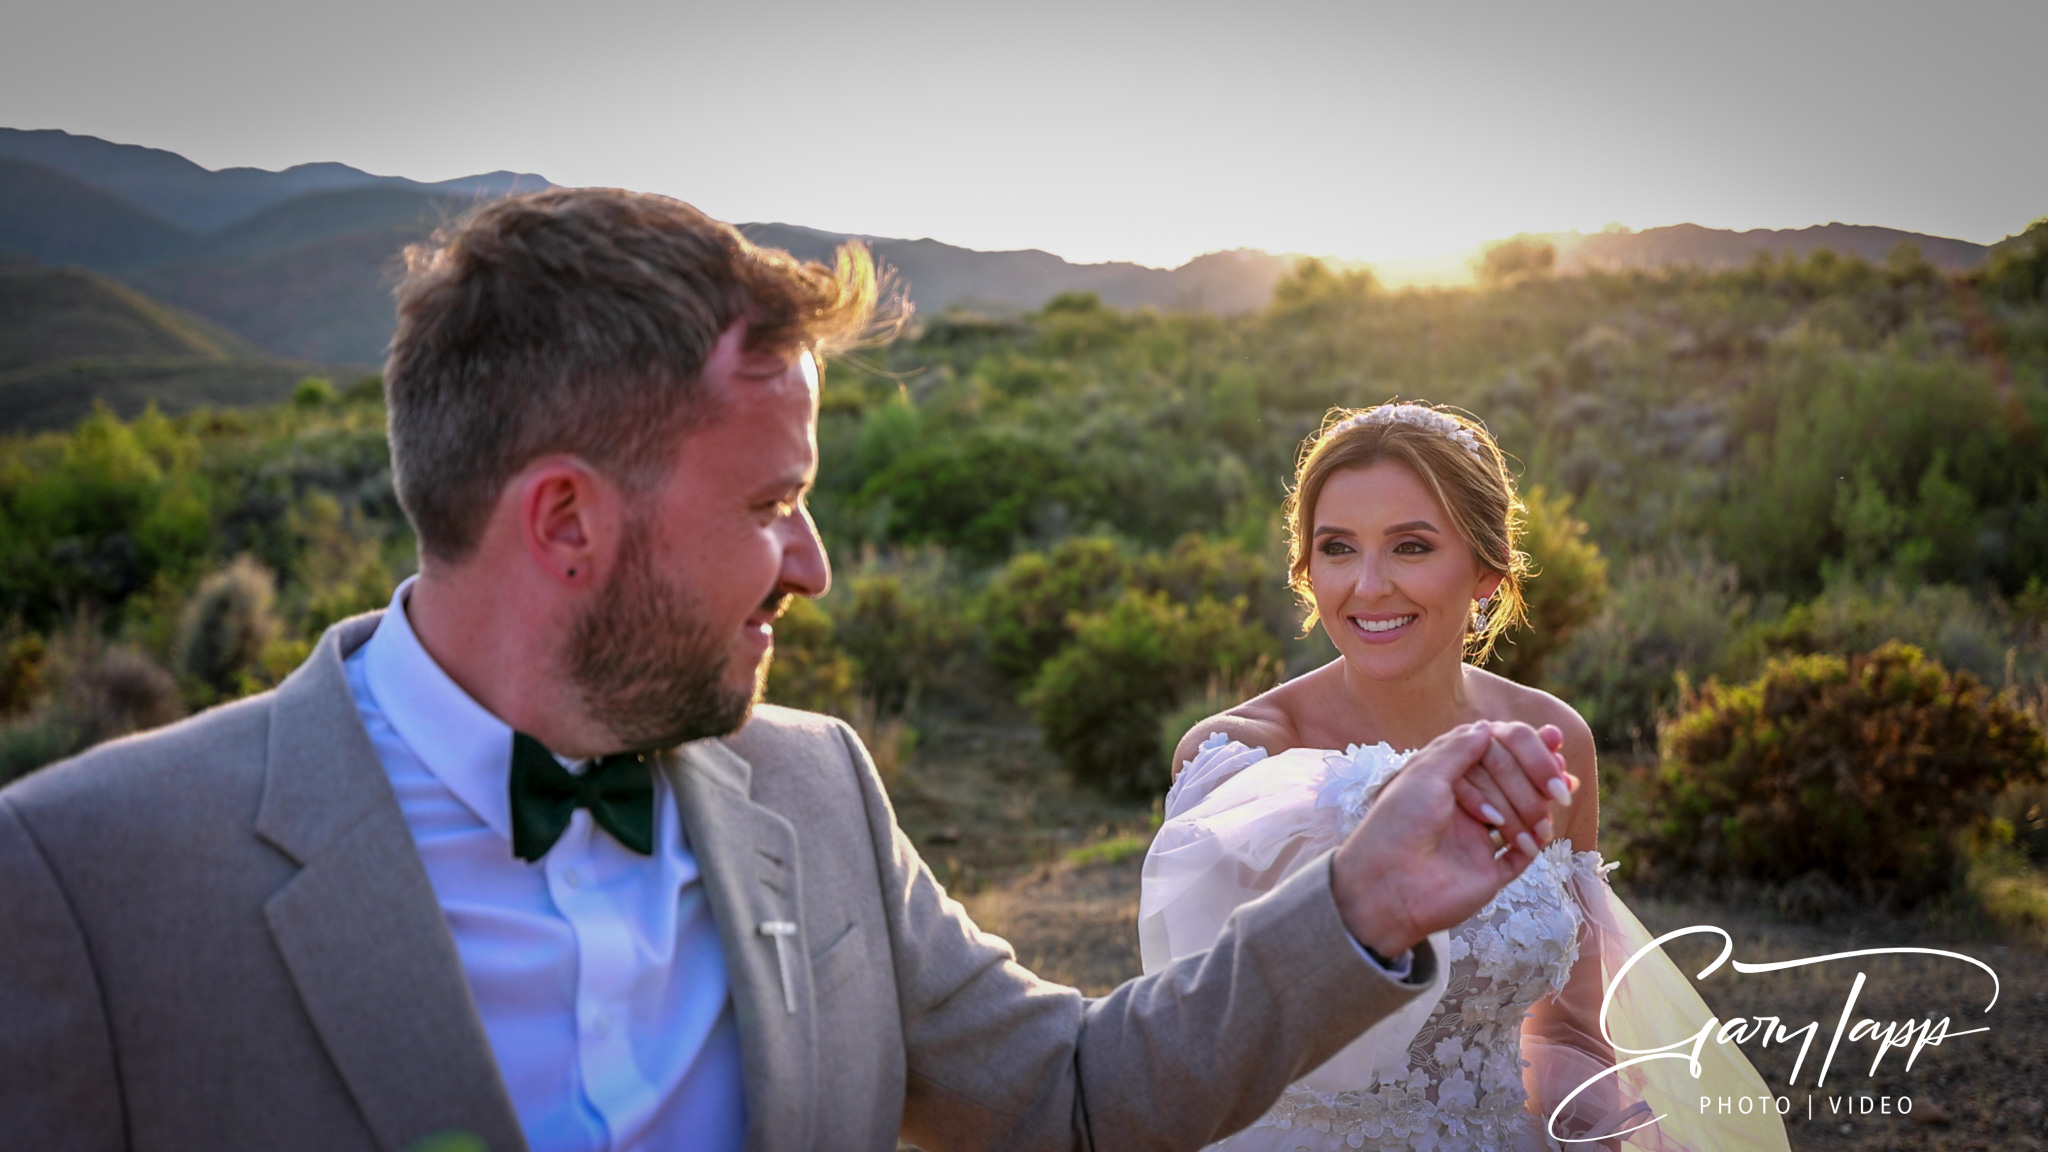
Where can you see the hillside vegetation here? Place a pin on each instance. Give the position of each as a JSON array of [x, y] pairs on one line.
[[51, 314], [1062, 528], [1798, 456], [70, 338]]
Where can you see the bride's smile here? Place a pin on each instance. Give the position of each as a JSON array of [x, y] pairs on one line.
[[1378, 630]]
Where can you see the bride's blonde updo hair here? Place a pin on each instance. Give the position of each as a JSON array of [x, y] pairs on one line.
[[1456, 457]]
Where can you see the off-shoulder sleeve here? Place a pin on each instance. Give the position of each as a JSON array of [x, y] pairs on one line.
[[1571, 1053], [1232, 836], [1218, 759]]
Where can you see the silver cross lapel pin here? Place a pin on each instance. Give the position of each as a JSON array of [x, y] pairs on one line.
[[783, 931]]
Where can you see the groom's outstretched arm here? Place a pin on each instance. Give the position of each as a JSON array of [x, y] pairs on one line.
[[999, 1059]]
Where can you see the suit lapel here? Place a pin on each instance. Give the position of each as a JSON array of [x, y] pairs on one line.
[[359, 926], [746, 854]]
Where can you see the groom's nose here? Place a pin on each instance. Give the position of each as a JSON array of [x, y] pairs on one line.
[[806, 570]]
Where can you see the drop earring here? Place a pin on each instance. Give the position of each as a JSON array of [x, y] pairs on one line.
[[1482, 614]]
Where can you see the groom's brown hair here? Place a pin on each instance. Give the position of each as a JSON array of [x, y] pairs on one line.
[[579, 320]]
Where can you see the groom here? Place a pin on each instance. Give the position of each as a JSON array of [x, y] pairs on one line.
[[511, 857]]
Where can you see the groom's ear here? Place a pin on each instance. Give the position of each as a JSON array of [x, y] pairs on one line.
[[569, 519]]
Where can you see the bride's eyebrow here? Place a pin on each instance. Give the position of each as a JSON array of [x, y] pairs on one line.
[[1412, 526]]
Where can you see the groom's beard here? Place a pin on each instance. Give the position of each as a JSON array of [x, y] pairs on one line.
[[650, 668]]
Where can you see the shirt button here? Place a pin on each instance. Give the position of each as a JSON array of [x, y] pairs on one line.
[[572, 878], [602, 1026]]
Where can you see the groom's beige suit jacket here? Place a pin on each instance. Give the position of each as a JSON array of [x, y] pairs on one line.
[[219, 936]]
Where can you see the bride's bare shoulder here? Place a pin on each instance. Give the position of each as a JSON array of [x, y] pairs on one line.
[[1264, 721], [1499, 696]]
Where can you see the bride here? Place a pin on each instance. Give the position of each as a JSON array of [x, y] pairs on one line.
[[1403, 522]]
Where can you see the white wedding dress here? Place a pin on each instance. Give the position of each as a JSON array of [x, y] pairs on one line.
[[1512, 1024]]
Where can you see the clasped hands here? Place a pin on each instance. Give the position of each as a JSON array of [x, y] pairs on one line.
[[1422, 859]]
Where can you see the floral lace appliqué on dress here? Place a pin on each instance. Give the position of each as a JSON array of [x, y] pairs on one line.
[[1463, 1088]]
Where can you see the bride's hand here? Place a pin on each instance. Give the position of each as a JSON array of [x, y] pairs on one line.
[[1498, 794], [1419, 863]]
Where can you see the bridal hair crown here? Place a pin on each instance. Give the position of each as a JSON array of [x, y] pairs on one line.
[[1419, 415]]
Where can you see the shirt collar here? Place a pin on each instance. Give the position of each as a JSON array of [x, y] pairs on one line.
[[454, 737]]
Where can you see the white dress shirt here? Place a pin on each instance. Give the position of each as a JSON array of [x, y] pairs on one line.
[[596, 970]]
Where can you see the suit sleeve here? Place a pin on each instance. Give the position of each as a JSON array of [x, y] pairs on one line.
[[999, 1059], [58, 1083]]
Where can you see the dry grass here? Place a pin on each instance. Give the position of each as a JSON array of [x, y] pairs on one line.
[[1076, 923], [986, 804], [889, 738]]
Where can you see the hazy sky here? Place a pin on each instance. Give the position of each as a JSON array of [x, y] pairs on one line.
[[1103, 130]]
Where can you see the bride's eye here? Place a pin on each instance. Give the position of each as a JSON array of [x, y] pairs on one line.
[[1412, 548], [1334, 548]]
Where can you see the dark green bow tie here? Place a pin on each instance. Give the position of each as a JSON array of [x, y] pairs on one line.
[[618, 790]]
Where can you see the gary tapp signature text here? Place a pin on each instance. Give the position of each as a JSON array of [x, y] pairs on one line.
[[1767, 1030]]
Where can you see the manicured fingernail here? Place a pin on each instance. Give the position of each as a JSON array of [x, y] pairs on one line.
[[1523, 842], [1492, 814], [1543, 829], [1559, 790]]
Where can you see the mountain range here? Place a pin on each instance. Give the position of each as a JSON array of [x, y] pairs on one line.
[[293, 270], [1719, 248], [300, 263]]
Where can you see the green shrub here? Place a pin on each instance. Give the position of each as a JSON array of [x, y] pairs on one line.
[[809, 670], [1100, 700], [97, 692], [1568, 588], [1665, 616], [1958, 626], [366, 390], [1914, 464], [1223, 570], [31, 743], [313, 392], [21, 670], [2021, 812], [1025, 609], [339, 568], [1868, 770], [2018, 268], [901, 631], [1509, 262], [226, 626], [980, 492], [90, 518]]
